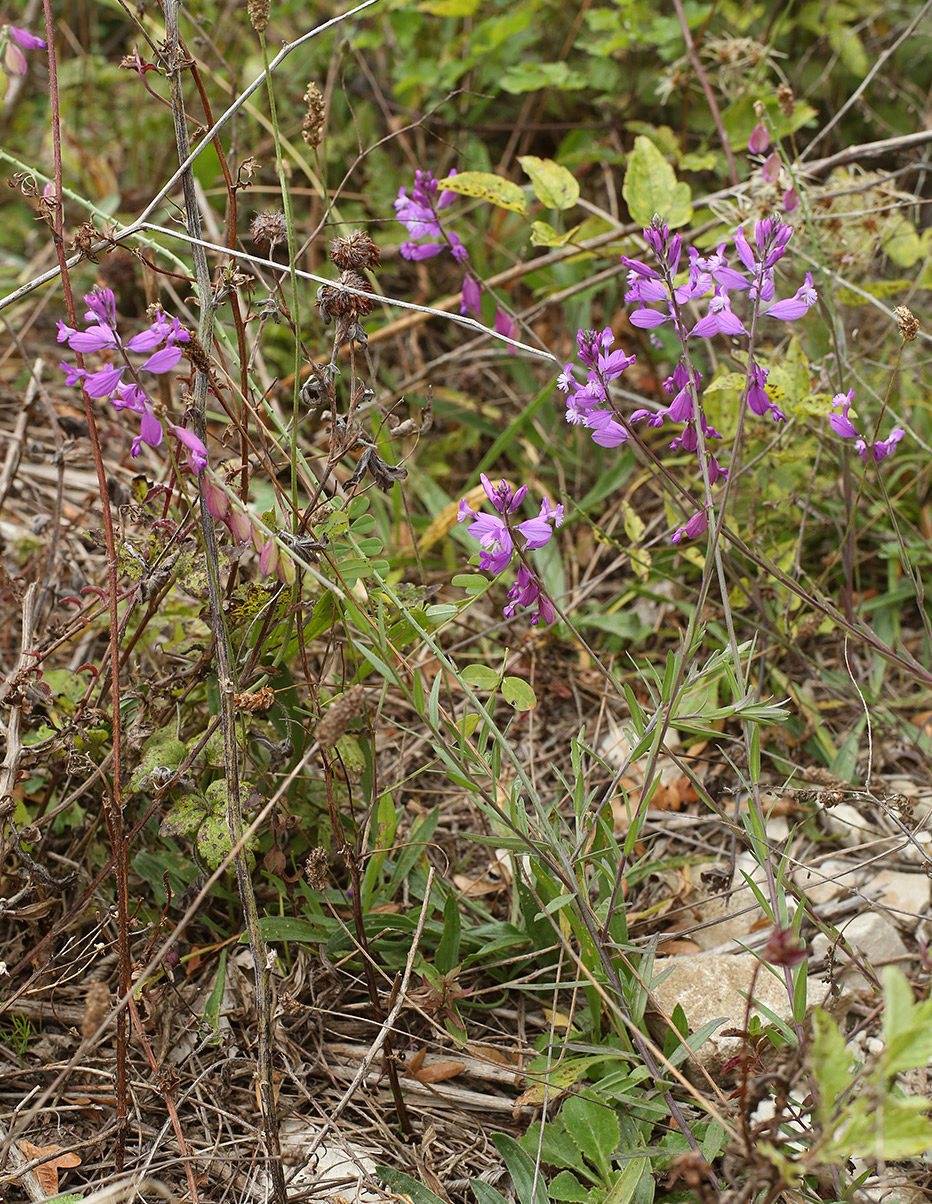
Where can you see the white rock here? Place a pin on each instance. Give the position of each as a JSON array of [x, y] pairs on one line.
[[709, 987], [847, 823], [873, 935], [905, 896], [827, 880]]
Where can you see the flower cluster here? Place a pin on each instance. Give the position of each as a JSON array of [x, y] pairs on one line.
[[842, 425], [121, 383], [420, 216], [244, 530], [496, 541], [13, 41]]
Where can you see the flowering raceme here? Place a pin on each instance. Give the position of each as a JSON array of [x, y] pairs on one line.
[[161, 341], [13, 41], [497, 549], [842, 425]]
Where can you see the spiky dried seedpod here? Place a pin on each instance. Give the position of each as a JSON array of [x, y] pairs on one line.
[[269, 229], [258, 11], [340, 714], [335, 302], [260, 701], [355, 252], [907, 322], [786, 100], [316, 869], [312, 127]]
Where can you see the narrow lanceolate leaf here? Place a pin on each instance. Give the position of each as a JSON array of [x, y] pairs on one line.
[[553, 185], [650, 187], [485, 186]]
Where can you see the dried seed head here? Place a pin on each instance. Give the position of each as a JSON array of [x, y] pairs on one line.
[[908, 323], [355, 252], [340, 714], [258, 14], [334, 302], [96, 1006], [268, 229], [312, 128], [315, 869], [260, 701], [786, 100]]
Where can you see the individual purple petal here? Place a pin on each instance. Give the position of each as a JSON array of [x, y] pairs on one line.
[[697, 525], [95, 338], [612, 365], [420, 250], [150, 428], [14, 61], [28, 41], [745, 254], [759, 140], [647, 319], [194, 447], [268, 557], [611, 434], [471, 296], [103, 382], [216, 500], [147, 340], [129, 397], [73, 376], [163, 361], [842, 425], [457, 250], [240, 525], [770, 172], [790, 200]]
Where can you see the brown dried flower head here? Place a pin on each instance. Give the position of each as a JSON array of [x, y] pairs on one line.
[[786, 100], [258, 14], [335, 302], [260, 701], [907, 322], [315, 869], [312, 128], [269, 229], [340, 714], [355, 252]]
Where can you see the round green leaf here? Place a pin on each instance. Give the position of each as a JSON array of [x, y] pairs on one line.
[[481, 677], [650, 187], [519, 693], [553, 185]]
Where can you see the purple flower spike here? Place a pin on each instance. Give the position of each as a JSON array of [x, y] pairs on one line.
[[842, 425], [526, 592]]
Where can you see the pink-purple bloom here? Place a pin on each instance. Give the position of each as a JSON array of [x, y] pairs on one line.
[[419, 214], [505, 325], [759, 140], [13, 41], [471, 296], [496, 541], [842, 425], [160, 342]]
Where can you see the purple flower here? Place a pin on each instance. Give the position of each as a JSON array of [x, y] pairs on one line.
[[195, 450], [493, 535], [418, 214], [758, 400], [795, 306], [697, 525], [770, 172], [471, 297], [504, 325], [719, 319], [759, 140], [526, 592], [842, 425], [13, 41]]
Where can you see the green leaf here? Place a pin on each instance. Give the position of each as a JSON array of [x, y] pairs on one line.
[[544, 235], [448, 951], [521, 1168], [519, 693], [449, 8], [212, 1007], [830, 1064], [403, 1184], [481, 677], [907, 1026], [565, 1186], [485, 1193], [213, 840], [594, 1127], [485, 186], [625, 1186], [650, 187], [162, 753], [185, 816], [553, 185], [900, 241], [530, 77]]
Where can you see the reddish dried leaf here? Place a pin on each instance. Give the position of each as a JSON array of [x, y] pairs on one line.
[[437, 1072], [47, 1173]]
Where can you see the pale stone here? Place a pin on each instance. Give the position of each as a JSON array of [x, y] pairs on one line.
[[905, 896], [828, 880], [709, 987], [872, 934], [847, 823]]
